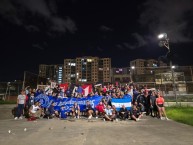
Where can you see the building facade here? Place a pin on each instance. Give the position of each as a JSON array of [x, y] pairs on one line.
[[87, 69], [148, 66], [51, 72]]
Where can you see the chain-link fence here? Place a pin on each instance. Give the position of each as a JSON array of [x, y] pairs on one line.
[[10, 89], [170, 80]]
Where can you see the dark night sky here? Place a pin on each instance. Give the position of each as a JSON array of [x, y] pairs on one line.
[[33, 32]]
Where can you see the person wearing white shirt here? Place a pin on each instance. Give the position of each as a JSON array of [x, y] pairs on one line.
[[21, 100], [35, 110]]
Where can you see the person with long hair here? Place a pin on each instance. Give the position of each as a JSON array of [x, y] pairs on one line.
[[160, 105]]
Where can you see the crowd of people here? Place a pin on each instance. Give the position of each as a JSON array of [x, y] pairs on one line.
[[144, 102]]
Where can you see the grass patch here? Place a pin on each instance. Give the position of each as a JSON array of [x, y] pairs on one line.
[[7, 102], [183, 114]]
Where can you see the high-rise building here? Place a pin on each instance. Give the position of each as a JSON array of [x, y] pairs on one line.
[[59, 73], [51, 72], [87, 69]]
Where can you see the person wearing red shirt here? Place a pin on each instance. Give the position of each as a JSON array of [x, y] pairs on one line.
[[100, 109], [160, 105]]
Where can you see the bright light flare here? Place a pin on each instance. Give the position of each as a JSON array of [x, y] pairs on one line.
[[162, 36]]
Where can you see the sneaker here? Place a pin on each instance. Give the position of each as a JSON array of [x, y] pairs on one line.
[[20, 117], [96, 117], [78, 117], [162, 118], [16, 118], [137, 119], [167, 118]]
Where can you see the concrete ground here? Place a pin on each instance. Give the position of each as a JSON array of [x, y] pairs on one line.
[[148, 131]]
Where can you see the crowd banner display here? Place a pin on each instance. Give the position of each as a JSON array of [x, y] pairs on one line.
[[119, 102], [67, 102]]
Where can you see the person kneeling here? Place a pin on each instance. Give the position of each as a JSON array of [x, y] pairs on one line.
[[35, 111]]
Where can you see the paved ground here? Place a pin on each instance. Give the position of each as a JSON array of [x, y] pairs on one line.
[[147, 131]]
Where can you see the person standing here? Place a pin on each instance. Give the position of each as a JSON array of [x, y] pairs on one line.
[[21, 100]]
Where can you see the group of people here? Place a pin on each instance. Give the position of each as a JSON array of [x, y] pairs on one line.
[[144, 101]]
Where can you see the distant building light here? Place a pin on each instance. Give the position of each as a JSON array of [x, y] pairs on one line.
[[89, 60], [72, 64], [133, 67]]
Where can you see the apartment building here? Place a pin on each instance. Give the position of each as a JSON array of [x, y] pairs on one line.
[[87, 69], [51, 72], [148, 66]]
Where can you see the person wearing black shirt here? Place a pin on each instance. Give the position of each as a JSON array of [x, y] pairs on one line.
[[123, 113], [135, 113]]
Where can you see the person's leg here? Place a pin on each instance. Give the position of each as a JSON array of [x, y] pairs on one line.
[[160, 112], [96, 113], [19, 110], [113, 116], [125, 115], [78, 113], [37, 114], [90, 112], [133, 117], [139, 116], [107, 117], [164, 112]]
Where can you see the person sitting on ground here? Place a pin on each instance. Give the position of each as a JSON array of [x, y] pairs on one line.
[[160, 106], [89, 109], [114, 113], [35, 111], [108, 113], [52, 111], [63, 112], [123, 112], [100, 109], [135, 113], [76, 110]]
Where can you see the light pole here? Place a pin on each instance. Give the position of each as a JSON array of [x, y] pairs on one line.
[[164, 41], [131, 73]]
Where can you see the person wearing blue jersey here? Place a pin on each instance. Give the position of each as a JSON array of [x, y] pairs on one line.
[[63, 112]]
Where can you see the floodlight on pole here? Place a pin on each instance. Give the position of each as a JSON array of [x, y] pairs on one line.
[[164, 41], [131, 72]]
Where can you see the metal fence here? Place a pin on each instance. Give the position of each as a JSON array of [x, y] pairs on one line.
[[152, 77]]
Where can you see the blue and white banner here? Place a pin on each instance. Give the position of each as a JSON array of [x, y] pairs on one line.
[[119, 102], [67, 102]]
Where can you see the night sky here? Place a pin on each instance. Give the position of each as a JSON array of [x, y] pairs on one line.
[[34, 32]]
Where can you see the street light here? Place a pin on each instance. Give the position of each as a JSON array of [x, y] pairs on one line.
[[164, 41], [131, 73]]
